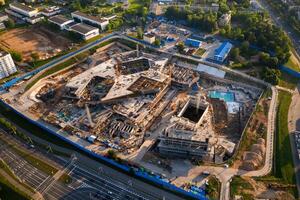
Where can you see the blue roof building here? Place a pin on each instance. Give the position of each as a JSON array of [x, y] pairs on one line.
[[192, 43], [222, 52]]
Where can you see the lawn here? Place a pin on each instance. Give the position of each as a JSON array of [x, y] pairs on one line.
[[213, 188], [293, 63], [284, 167], [200, 52], [237, 187], [288, 81]]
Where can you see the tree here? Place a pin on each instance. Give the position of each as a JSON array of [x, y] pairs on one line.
[[235, 53], [264, 58], [35, 56], [271, 75], [140, 33], [2, 2], [76, 5], [112, 154], [157, 42], [245, 47], [9, 23], [16, 56], [180, 47]]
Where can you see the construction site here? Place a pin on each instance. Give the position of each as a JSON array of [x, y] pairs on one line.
[[148, 107]]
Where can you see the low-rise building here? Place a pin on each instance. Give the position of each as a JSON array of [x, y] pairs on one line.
[[7, 65], [149, 37], [117, 1], [34, 20], [183, 148], [61, 21], [90, 20], [222, 52], [85, 31], [2, 26], [109, 17], [51, 11], [3, 17], [192, 43], [24, 10], [224, 19]]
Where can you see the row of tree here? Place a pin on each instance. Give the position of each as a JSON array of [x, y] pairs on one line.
[[199, 20]]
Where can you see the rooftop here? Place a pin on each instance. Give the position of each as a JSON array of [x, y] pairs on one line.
[[3, 53], [149, 35], [22, 7], [59, 19], [93, 18], [3, 14], [223, 49], [82, 28]]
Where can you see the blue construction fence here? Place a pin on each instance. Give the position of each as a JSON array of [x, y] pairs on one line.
[[290, 71], [125, 168]]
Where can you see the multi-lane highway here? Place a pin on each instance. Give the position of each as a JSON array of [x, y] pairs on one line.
[[88, 176]]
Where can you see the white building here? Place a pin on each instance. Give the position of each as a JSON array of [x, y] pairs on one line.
[[91, 20], [26, 13], [60, 21], [85, 31], [149, 37], [23, 9], [51, 11], [34, 20], [3, 17], [125, 2], [224, 19], [7, 65]]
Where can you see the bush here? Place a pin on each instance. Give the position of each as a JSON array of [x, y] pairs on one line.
[[16, 56], [112, 154], [9, 23], [271, 75]]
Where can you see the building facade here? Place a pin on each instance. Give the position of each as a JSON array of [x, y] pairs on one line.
[[7, 65], [90, 20]]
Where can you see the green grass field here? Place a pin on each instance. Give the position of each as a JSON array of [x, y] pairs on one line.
[[213, 188], [284, 161], [288, 81], [200, 52], [292, 64], [237, 185]]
